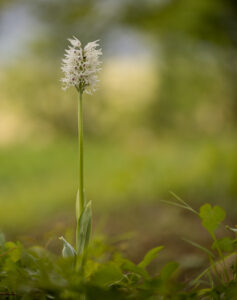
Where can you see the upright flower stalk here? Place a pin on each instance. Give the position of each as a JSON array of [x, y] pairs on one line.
[[80, 67], [80, 148]]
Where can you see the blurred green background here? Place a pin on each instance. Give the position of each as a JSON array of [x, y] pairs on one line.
[[163, 119]]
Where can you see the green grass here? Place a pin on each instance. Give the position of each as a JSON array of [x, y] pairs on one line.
[[39, 181]]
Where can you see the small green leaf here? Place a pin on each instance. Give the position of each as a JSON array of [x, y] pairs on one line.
[[107, 274], [204, 292], [150, 256], [133, 268], [68, 250], [130, 267], [225, 244], [211, 217], [168, 270], [14, 251], [84, 229]]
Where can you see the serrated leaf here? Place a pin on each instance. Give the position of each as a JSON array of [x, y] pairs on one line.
[[150, 256], [84, 229], [68, 250], [211, 217]]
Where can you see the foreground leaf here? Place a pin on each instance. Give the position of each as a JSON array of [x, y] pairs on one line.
[[107, 274], [14, 251], [168, 270], [150, 256], [226, 244]]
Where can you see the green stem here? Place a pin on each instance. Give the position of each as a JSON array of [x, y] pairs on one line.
[[80, 146], [222, 259], [80, 196]]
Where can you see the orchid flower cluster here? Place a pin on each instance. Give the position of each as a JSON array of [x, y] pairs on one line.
[[81, 66]]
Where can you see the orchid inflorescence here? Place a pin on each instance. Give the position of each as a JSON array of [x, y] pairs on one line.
[[81, 66]]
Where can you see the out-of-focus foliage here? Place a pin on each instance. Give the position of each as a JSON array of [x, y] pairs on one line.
[[186, 38], [37, 273], [213, 21], [194, 36]]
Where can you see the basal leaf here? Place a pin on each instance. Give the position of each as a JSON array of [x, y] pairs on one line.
[[68, 250], [211, 217], [150, 256], [84, 229]]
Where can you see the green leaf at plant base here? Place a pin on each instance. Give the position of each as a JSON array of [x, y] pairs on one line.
[[68, 250], [150, 256], [84, 229], [107, 274], [211, 217]]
